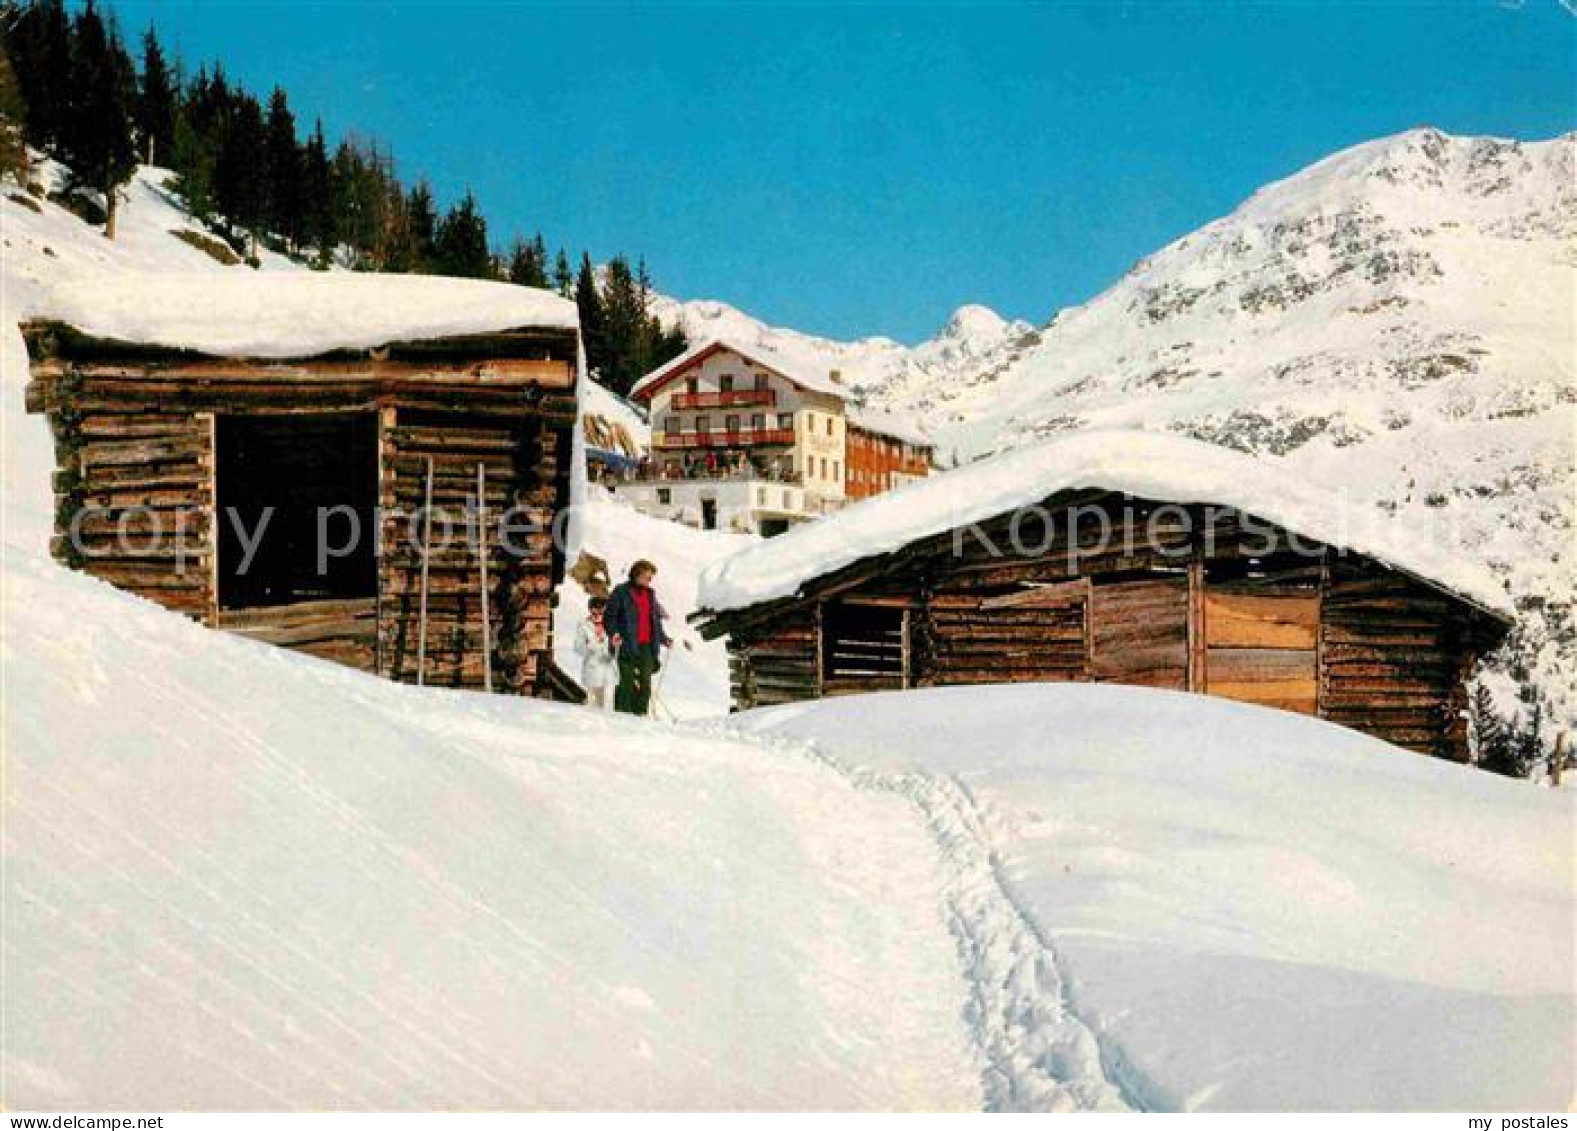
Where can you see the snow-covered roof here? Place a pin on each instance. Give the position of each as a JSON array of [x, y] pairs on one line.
[[889, 424], [818, 381], [244, 313], [1147, 465], [611, 423]]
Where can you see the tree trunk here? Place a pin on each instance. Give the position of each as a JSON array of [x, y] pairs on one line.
[[109, 213]]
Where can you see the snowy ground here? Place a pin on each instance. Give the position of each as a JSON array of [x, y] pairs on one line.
[[240, 878], [1244, 909]]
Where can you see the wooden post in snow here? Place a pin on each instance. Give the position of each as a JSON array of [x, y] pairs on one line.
[[481, 544], [427, 537]]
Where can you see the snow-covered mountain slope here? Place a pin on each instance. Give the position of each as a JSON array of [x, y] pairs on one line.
[[44, 247], [1400, 319], [1275, 913], [974, 340]]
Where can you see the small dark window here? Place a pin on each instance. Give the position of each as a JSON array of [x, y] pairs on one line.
[[758, 420], [725, 383], [731, 424], [665, 495]]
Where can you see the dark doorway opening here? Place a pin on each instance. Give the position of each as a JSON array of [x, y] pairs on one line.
[[863, 647], [772, 527], [708, 514], [296, 468]]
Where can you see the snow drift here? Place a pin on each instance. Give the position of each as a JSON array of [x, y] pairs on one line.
[[1249, 910]]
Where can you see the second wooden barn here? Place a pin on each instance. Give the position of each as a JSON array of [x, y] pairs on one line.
[[186, 409], [1120, 557]]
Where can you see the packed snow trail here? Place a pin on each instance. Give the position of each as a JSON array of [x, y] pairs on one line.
[[1238, 908], [1037, 1053]]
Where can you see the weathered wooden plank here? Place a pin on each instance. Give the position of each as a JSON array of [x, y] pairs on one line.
[[1242, 621], [1300, 694], [1239, 665]]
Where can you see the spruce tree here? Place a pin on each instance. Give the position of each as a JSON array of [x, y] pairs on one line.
[[13, 126], [239, 172], [282, 162], [39, 44], [320, 221], [462, 242], [421, 217], [563, 278], [156, 102], [589, 303], [528, 263], [97, 142]]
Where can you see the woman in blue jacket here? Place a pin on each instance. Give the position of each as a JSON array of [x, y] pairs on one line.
[[634, 621]]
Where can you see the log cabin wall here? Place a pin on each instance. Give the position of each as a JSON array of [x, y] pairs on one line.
[[1249, 612], [519, 461], [777, 661], [1394, 658], [136, 432]]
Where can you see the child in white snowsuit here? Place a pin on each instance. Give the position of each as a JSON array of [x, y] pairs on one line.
[[599, 670]]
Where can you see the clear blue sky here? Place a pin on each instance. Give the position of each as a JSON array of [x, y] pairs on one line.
[[854, 170]]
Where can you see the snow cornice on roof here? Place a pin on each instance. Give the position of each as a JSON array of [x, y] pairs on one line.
[[1143, 465], [296, 315], [786, 368]]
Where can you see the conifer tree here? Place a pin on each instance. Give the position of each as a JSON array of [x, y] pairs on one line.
[[239, 170], [320, 222], [39, 44], [13, 125], [282, 170], [97, 143], [421, 217], [462, 242], [563, 278], [589, 302], [528, 263], [156, 102]]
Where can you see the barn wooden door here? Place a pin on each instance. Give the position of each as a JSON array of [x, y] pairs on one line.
[[1259, 638], [1139, 631]]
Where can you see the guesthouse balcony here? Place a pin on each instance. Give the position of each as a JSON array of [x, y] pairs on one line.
[[723, 398], [744, 438]]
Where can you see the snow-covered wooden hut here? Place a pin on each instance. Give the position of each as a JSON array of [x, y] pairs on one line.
[[1121, 557], [253, 450]]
